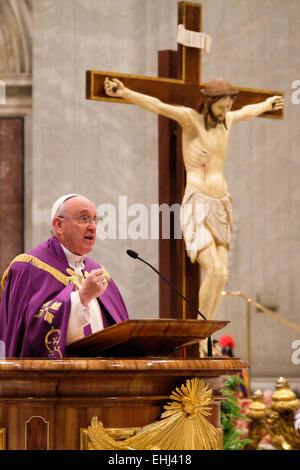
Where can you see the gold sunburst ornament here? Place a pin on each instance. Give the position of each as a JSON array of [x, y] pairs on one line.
[[183, 424]]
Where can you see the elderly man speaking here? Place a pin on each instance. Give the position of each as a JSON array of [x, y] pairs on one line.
[[54, 294]]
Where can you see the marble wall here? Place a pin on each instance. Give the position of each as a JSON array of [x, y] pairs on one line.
[[15, 124], [11, 190], [105, 150], [15, 36]]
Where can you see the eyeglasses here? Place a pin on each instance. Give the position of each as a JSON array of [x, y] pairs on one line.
[[84, 219]]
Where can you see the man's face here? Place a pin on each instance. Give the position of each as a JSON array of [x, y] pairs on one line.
[[77, 238], [221, 107]]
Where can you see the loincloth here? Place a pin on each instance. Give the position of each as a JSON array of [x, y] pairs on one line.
[[205, 220]]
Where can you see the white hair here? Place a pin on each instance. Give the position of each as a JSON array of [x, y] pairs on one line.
[[60, 211]]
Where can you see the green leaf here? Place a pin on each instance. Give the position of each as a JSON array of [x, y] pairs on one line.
[[230, 411]]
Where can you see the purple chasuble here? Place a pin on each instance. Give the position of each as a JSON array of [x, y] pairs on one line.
[[35, 306]]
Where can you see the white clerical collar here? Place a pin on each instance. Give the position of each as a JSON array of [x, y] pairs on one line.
[[75, 261]]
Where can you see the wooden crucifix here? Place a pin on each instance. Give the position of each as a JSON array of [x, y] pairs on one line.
[[179, 83]]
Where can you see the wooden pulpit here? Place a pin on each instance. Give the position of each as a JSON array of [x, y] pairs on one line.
[[122, 376]]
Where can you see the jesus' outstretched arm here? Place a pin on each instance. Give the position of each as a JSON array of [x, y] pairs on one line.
[[273, 103], [116, 88]]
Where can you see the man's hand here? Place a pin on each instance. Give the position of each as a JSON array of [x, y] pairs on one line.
[[275, 103], [114, 87], [93, 286]]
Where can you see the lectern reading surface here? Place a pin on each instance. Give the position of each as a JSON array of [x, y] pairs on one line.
[[140, 338]]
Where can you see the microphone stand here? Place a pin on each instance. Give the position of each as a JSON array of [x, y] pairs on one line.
[[134, 255]]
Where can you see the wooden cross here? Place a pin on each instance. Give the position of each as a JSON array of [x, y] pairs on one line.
[[184, 66], [184, 91]]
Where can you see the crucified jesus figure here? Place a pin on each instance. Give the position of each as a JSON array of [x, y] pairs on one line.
[[206, 207]]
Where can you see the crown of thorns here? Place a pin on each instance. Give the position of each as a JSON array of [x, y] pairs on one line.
[[218, 87]]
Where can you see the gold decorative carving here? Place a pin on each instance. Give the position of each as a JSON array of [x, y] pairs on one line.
[[277, 420], [284, 399], [256, 414], [84, 437], [2, 438], [183, 425], [257, 409], [117, 433], [121, 433]]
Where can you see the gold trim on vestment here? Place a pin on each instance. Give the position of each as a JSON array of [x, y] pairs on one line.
[[51, 343], [24, 258], [58, 275], [46, 310]]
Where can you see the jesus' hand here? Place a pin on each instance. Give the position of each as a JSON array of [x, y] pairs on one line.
[[113, 87], [275, 102]]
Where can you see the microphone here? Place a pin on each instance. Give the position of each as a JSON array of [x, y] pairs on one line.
[[134, 255]]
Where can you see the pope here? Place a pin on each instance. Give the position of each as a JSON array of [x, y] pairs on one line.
[[54, 294]]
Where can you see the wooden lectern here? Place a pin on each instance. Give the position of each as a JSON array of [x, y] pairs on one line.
[[49, 404]]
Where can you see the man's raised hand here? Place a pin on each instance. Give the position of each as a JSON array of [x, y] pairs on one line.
[[113, 87], [94, 286]]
